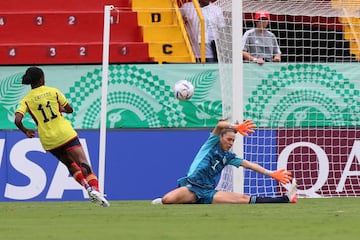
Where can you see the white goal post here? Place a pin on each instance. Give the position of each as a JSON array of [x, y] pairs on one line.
[[306, 107], [104, 91]]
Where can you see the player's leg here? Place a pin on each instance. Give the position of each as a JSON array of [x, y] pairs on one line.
[[231, 197], [73, 167], [237, 198], [75, 171], [76, 153], [179, 195]]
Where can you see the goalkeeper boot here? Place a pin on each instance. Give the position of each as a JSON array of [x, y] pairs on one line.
[[99, 198], [157, 201], [292, 192]]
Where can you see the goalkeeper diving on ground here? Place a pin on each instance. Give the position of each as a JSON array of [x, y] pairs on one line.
[[198, 186]]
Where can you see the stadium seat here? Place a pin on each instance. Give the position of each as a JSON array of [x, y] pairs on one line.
[[351, 33], [72, 53], [68, 27], [166, 35], [60, 5], [68, 32]]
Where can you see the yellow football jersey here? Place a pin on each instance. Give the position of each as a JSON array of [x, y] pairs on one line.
[[43, 104]]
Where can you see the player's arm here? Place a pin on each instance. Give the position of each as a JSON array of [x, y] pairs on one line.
[[63, 103], [280, 175], [243, 128], [18, 122], [67, 108], [220, 126]]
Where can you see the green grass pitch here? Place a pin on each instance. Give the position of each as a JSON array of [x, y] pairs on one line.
[[333, 218]]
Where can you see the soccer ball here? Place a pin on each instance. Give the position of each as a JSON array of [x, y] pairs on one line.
[[183, 90]]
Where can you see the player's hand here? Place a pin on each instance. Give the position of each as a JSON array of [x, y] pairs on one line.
[[281, 175], [246, 127], [30, 133]]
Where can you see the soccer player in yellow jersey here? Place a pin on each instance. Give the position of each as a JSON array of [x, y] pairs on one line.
[[45, 105]]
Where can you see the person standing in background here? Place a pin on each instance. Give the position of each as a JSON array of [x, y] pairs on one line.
[[260, 45], [213, 18]]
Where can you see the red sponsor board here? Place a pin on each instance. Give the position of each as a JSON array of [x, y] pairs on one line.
[[325, 162]]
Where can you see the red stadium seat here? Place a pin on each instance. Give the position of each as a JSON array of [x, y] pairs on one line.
[[60, 5], [68, 32], [72, 53], [68, 27]]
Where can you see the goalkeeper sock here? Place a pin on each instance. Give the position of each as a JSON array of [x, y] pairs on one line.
[[256, 199]]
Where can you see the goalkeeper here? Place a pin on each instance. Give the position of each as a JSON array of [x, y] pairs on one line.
[[199, 184]]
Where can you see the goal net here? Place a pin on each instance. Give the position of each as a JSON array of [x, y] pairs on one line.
[[307, 106]]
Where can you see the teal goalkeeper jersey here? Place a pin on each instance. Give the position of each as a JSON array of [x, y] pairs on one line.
[[210, 161]]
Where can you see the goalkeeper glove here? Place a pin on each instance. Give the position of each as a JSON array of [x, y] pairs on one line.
[[281, 175], [245, 127]]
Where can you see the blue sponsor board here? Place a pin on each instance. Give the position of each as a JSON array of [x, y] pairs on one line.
[[140, 164]]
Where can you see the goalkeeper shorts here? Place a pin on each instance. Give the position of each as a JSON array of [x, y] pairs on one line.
[[204, 194]]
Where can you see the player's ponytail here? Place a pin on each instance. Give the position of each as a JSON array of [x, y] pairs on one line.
[[26, 79], [32, 75]]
